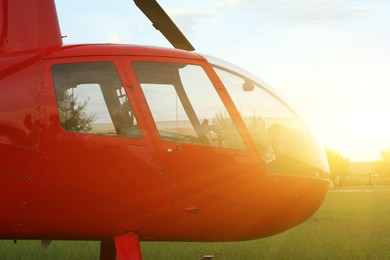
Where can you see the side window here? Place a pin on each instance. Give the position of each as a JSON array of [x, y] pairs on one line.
[[92, 100], [185, 105]]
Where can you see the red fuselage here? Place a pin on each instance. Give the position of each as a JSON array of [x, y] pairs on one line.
[[61, 184]]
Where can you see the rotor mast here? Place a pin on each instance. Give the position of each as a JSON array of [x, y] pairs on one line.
[[28, 25]]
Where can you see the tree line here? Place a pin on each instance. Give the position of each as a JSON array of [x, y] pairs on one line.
[[338, 164]]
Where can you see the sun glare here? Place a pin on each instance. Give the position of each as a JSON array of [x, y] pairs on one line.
[[357, 130]]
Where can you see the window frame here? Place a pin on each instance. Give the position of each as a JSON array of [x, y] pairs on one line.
[[215, 82], [51, 97]]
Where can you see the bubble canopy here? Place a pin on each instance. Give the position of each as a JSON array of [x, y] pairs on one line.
[[187, 109], [285, 143]]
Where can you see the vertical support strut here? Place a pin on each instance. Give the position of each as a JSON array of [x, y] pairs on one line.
[[128, 246]]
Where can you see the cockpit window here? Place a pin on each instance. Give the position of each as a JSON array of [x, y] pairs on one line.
[[185, 105], [92, 100], [282, 139]]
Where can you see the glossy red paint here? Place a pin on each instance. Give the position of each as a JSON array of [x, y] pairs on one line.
[[57, 184], [28, 25], [127, 246]]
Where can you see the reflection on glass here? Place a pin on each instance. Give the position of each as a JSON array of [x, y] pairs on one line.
[[185, 105], [91, 99], [281, 138]]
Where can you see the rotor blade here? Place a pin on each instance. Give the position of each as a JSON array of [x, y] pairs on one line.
[[164, 24]]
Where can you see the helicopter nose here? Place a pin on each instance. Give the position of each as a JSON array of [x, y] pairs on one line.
[[291, 201], [273, 203]]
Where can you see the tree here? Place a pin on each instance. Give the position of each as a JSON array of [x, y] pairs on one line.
[[75, 117], [256, 126], [226, 130], [383, 164], [338, 165]]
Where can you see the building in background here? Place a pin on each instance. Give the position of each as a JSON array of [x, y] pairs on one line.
[[361, 173]]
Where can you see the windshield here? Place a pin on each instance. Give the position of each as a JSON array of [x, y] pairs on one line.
[[284, 142], [185, 106]]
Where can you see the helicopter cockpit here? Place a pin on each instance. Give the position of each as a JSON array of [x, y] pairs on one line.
[[187, 109]]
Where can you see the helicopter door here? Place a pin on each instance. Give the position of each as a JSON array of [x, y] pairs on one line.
[[198, 143], [97, 137]]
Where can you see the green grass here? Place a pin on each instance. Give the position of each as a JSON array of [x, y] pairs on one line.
[[349, 225]]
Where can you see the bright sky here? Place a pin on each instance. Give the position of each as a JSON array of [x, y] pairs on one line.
[[329, 58]]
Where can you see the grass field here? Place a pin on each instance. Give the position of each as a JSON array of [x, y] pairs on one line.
[[351, 224]]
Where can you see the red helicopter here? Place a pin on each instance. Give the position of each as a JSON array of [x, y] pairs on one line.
[[127, 143]]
